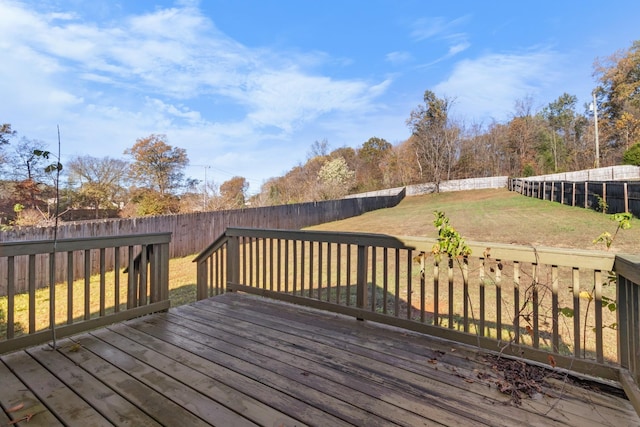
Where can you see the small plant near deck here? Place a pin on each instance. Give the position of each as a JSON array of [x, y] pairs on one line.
[[450, 242], [602, 204]]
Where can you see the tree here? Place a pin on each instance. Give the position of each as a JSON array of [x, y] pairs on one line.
[[25, 166], [147, 201], [156, 164], [618, 97], [5, 134], [233, 192], [100, 181], [632, 155], [371, 155], [560, 115], [434, 137], [335, 178], [318, 149]]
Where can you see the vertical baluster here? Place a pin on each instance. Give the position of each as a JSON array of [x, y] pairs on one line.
[[536, 307], [348, 266], [516, 301], [142, 288], [575, 281], [32, 294], [87, 284], [482, 295], [320, 268], [498, 299], [423, 296], [116, 278], [373, 279], [70, 280], [338, 272], [329, 260], [271, 264], [287, 260], [597, 278], [409, 282], [295, 266], [11, 293], [311, 263], [450, 279], [103, 284], [465, 281], [436, 291], [385, 282], [131, 281], [396, 306], [555, 335], [279, 265]]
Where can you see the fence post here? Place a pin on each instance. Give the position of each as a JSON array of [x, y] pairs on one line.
[[233, 260], [626, 197]]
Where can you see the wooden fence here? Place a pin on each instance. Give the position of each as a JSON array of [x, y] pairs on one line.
[[190, 232], [612, 196]]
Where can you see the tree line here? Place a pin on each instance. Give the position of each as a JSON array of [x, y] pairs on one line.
[[556, 137]]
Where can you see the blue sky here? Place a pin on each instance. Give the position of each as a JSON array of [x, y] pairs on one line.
[[246, 87]]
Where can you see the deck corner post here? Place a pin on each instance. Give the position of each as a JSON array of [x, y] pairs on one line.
[[361, 280], [233, 260]]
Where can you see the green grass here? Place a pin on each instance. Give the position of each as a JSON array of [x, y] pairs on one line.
[[495, 215]]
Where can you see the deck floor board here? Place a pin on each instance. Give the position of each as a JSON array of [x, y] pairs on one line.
[[237, 360]]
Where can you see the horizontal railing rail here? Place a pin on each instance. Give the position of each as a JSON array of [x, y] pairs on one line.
[[58, 309], [553, 306]]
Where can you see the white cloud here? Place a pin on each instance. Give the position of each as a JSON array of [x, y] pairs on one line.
[[489, 85], [438, 29], [398, 58]]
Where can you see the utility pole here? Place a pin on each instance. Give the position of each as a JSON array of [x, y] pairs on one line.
[[204, 195], [595, 121]]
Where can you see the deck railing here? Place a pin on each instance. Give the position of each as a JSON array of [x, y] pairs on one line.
[[553, 306], [137, 285]]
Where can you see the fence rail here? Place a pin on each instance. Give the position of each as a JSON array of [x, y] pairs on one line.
[[77, 304], [609, 196]]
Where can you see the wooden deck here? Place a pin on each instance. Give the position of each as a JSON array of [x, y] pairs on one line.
[[237, 360]]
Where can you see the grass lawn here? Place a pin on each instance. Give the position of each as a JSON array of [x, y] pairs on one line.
[[495, 215]]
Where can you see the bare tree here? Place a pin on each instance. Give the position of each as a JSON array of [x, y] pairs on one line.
[[434, 137], [100, 181]]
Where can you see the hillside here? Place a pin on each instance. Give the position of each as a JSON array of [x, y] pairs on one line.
[[495, 215]]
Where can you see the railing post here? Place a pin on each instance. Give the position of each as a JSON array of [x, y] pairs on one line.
[[627, 269], [201, 280], [159, 280], [233, 260], [361, 280]]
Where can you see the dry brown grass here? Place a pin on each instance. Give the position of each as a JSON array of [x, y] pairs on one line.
[[495, 215]]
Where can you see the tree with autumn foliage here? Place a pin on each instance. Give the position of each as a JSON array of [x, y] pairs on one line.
[[157, 169], [156, 164], [234, 192], [618, 98]]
